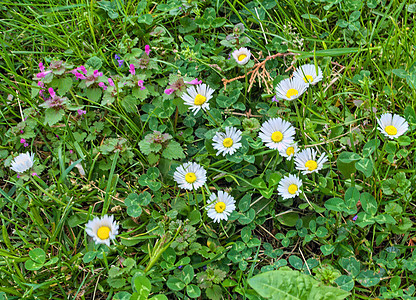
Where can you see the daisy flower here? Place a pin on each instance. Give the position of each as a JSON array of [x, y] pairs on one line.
[[309, 74], [289, 186], [197, 98], [228, 142], [242, 56], [102, 230], [277, 133], [307, 163], [23, 162], [221, 206], [290, 151], [291, 89], [190, 176], [392, 126]]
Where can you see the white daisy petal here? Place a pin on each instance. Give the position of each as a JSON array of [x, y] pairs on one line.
[[291, 89], [289, 186], [228, 142], [309, 74], [102, 230], [242, 55], [220, 206], [307, 163], [190, 176], [197, 98], [392, 126], [23, 162], [277, 133]]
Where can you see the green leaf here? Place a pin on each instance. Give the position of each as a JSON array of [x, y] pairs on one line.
[[351, 265], [293, 285], [89, 256], [335, 204], [147, 19], [173, 151], [37, 255], [53, 116], [188, 274], [214, 292], [345, 282], [122, 296], [32, 266], [175, 284], [142, 286], [296, 262], [288, 219], [370, 147], [64, 85], [129, 104], [327, 249], [368, 278], [144, 198], [347, 157], [248, 217], [365, 166], [94, 94], [94, 62], [259, 183], [244, 203], [369, 203]]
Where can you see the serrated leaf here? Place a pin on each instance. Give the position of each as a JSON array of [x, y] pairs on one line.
[[53, 116], [173, 151]]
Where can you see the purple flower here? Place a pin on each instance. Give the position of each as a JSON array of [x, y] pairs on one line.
[[140, 84], [132, 69], [180, 267], [18, 176], [102, 84], [81, 112], [80, 76], [83, 70], [117, 57], [34, 174], [21, 131], [274, 99], [169, 91], [110, 82], [41, 67], [70, 151], [355, 218], [41, 84], [22, 141], [120, 63], [52, 92], [195, 81], [147, 49], [25, 145]]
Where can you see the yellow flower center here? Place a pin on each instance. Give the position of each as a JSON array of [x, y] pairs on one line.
[[391, 130], [277, 136], [308, 78], [311, 165], [199, 99], [292, 189], [190, 177], [103, 232], [241, 57], [220, 207], [290, 151], [291, 92], [228, 142]]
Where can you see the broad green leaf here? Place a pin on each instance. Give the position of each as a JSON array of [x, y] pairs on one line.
[[142, 286], [365, 166], [345, 282], [293, 285], [193, 291], [347, 157], [175, 284], [37, 255], [369, 203]]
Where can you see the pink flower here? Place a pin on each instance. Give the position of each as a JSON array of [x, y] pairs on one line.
[[80, 76], [195, 81], [83, 70], [40, 83], [18, 176], [25, 145], [41, 67], [22, 141], [96, 73], [140, 84], [147, 49], [110, 82], [102, 84], [169, 91], [43, 74], [132, 69], [81, 112], [21, 131], [34, 174], [70, 151], [52, 92]]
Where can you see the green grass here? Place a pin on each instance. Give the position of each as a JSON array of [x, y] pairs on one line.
[[374, 65]]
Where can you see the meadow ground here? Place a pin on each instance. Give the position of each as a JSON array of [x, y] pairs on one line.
[[190, 149]]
